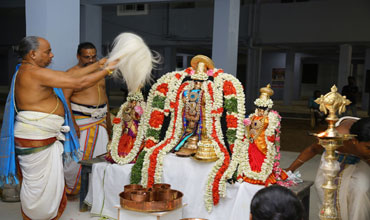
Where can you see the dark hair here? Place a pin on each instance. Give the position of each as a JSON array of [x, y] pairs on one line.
[[361, 128], [26, 45], [276, 203], [85, 45]]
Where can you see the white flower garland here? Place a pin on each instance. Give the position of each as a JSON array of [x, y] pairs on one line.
[[173, 86], [208, 196], [239, 130], [264, 103], [218, 103]]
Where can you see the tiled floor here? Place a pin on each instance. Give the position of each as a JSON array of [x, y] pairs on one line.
[[11, 211]]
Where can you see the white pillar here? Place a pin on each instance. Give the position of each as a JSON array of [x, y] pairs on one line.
[[344, 70], [91, 26], [59, 23], [366, 95], [225, 35], [289, 75]]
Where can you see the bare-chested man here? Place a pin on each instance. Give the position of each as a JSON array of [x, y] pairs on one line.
[[91, 117], [39, 127], [353, 192]]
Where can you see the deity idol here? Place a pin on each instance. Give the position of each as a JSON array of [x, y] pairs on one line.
[[259, 156], [183, 114], [125, 127]]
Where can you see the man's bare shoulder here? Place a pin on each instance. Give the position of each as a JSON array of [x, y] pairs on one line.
[[32, 71]]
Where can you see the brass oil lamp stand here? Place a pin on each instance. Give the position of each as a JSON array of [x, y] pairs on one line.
[[331, 140]]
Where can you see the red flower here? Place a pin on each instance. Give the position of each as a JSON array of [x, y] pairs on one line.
[[210, 89], [163, 88], [231, 148], [218, 72], [220, 172], [229, 88], [173, 105], [218, 111], [188, 70], [271, 138], [178, 76], [231, 121], [149, 143], [156, 119], [117, 120]]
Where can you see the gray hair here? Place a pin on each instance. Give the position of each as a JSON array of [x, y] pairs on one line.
[[26, 45]]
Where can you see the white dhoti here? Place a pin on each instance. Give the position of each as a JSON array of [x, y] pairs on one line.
[[42, 187], [93, 141], [353, 201]]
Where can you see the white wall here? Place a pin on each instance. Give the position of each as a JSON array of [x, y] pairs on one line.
[[58, 22]]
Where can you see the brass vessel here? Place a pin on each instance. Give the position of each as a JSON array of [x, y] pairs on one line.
[[331, 140], [157, 199]]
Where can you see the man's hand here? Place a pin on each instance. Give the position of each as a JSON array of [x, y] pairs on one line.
[[112, 65], [102, 62]]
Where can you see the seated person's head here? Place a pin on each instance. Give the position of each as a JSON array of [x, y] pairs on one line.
[[361, 129], [351, 80], [276, 203], [316, 93]]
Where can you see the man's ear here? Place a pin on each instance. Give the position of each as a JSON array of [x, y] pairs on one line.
[[33, 54], [250, 216]]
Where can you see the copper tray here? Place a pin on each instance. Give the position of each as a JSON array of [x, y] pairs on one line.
[[157, 199]]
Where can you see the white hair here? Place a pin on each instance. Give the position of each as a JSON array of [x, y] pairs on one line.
[[136, 61]]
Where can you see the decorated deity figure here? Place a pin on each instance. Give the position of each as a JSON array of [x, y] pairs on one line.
[[259, 157], [125, 127], [183, 114], [192, 121]]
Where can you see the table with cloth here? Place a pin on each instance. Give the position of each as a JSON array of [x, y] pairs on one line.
[[184, 174]]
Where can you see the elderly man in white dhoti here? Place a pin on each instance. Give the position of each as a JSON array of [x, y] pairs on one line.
[[39, 131]]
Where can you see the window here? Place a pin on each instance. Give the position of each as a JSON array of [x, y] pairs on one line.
[[132, 9], [309, 73]]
